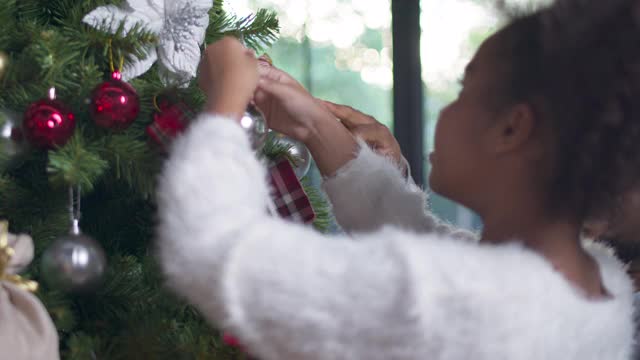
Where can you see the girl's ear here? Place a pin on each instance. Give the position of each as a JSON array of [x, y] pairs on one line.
[[513, 129]]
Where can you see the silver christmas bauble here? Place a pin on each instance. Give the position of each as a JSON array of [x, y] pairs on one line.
[[10, 143], [74, 262], [4, 63], [255, 125], [299, 152]]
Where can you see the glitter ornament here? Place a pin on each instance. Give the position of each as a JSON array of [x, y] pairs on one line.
[[11, 141], [298, 151], [114, 103], [48, 123], [4, 63]]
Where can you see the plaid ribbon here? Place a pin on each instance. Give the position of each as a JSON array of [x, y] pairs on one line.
[[288, 195]]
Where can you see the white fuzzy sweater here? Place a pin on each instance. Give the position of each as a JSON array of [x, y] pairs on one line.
[[408, 291]]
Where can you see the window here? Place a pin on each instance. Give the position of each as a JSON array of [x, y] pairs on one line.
[[339, 50], [452, 30]]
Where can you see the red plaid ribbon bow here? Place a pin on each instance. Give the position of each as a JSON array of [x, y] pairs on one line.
[[288, 194]]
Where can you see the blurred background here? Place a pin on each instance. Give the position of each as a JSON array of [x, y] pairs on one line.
[[342, 51]]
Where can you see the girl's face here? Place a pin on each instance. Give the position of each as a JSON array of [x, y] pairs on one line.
[[461, 160]]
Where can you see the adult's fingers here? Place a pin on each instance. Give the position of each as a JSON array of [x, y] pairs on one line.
[[379, 138], [273, 73], [349, 116], [269, 89], [372, 134]]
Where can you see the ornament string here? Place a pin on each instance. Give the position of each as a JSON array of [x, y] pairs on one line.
[[111, 66], [74, 209], [6, 253], [155, 103]]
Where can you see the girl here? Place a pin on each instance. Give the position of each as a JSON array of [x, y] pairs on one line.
[[532, 148]]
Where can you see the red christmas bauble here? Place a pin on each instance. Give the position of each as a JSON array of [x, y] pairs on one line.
[[168, 123], [48, 123], [114, 104]]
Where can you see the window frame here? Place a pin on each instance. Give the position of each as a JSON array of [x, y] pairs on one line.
[[408, 97]]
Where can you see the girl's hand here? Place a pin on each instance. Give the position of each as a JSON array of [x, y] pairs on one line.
[[228, 75]]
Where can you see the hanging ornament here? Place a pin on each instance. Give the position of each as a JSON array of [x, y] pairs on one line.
[[4, 63], [179, 25], [298, 152], [48, 122], [11, 142], [169, 122], [289, 200], [74, 262], [114, 103], [254, 124]]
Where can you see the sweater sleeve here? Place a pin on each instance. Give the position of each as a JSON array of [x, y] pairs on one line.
[[371, 191], [285, 290]]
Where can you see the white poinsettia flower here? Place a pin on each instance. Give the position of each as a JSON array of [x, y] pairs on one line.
[[179, 24]]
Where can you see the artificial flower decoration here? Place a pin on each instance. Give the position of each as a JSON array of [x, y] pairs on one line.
[[180, 26]]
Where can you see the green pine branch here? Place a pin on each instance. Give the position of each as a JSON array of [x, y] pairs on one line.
[[259, 30], [274, 149], [7, 18], [132, 161], [13, 196], [59, 306], [132, 315], [76, 164]]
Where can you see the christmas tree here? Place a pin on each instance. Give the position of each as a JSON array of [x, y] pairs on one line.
[[124, 80]]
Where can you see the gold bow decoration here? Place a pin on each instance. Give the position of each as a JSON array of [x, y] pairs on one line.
[[6, 252]]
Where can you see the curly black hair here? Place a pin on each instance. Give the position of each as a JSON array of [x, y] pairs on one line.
[[577, 63]]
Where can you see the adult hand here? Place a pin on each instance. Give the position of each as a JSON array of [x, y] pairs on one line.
[[288, 107], [367, 128]]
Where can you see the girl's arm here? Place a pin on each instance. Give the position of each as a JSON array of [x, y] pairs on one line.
[[371, 191], [367, 190]]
